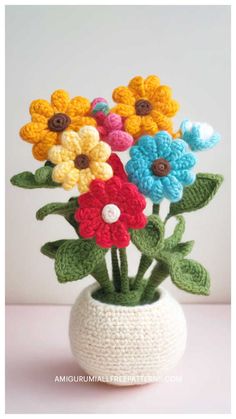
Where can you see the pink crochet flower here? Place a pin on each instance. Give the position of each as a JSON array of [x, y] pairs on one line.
[[109, 210], [110, 126]]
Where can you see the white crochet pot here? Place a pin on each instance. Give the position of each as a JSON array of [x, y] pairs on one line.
[[127, 345]]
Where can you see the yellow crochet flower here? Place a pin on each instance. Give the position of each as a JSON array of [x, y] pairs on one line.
[[145, 105], [80, 158], [49, 120]]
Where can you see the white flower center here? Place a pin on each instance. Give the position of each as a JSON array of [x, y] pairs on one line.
[[110, 213]]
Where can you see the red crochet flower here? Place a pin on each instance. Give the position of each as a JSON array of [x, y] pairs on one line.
[[117, 166], [108, 210]]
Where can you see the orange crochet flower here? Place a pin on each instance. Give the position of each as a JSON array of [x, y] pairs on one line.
[[145, 105], [49, 120]]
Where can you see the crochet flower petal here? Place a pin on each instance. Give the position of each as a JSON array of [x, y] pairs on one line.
[[119, 234], [123, 95], [156, 194], [113, 122], [60, 171], [87, 200], [89, 138], [149, 126], [101, 170], [58, 154], [146, 184], [71, 141], [151, 83], [133, 125], [40, 150], [39, 118], [88, 229], [172, 188], [163, 144], [124, 110], [71, 179], [103, 235], [60, 99], [136, 85], [130, 200], [119, 140], [87, 214], [199, 136], [187, 161], [98, 190], [147, 145], [134, 221], [113, 187], [33, 132], [84, 179], [41, 107], [184, 176], [78, 106], [169, 108], [178, 149], [78, 122], [137, 168], [163, 122], [117, 166], [101, 152], [162, 94]]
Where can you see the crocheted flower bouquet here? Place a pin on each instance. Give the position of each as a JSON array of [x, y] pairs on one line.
[[77, 139]]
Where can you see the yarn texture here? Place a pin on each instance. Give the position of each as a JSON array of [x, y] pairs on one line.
[[125, 327], [80, 158], [160, 167], [109, 210], [199, 136], [146, 106], [110, 126], [136, 344], [49, 120]]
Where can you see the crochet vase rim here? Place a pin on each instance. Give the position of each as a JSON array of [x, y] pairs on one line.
[[90, 289]]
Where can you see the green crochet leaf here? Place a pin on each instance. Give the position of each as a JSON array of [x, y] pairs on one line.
[[197, 195], [66, 209], [190, 276], [149, 239], [41, 179], [184, 248], [76, 259], [175, 238], [50, 248]]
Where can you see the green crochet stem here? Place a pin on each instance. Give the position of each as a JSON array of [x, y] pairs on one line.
[[124, 280], [159, 273], [144, 264], [102, 277], [115, 269], [156, 209]]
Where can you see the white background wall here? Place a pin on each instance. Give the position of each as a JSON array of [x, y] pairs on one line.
[[89, 51]]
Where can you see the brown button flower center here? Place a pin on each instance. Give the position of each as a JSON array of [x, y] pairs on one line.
[[82, 161], [161, 167], [59, 122], [143, 107]]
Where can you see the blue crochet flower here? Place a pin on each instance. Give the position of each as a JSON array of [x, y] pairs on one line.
[[199, 136], [160, 167]]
